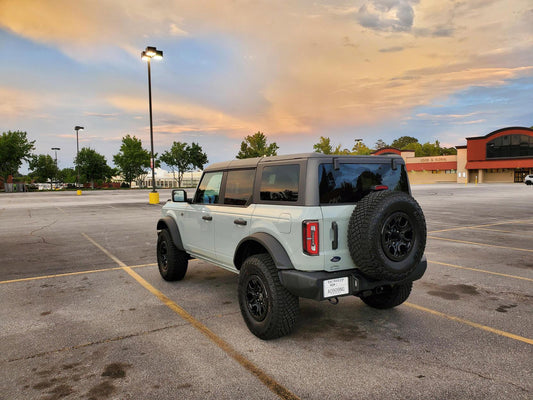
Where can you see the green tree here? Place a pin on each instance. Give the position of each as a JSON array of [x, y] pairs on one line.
[[14, 148], [380, 144], [67, 175], [360, 149], [183, 157], [197, 156], [430, 149], [43, 168], [132, 160], [323, 146], [256, 146], [93, 166], [403, 141]]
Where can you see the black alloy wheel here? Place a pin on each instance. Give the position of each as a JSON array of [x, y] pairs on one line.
[[257, 298], [397, 236]]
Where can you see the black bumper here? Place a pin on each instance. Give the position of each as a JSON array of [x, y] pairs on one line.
[[310, 284]]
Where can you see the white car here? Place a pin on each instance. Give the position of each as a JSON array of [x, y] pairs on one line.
[[309, 225], [528, 180]]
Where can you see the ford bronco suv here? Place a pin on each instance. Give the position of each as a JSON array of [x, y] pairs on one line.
[[307, 225]]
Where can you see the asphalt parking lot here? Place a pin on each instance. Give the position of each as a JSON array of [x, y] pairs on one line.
[[85, 315]]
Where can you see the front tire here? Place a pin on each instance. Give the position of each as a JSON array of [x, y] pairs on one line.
[[269, 310], [172, 262], [390, 297]]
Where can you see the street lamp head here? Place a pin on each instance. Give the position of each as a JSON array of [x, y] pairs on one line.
[[56, 148], [77, 128], [151, 52]]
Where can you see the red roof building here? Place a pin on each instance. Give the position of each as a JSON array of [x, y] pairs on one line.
[[505, 155]]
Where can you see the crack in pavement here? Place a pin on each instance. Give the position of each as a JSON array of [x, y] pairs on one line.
[[97, 342], [41, 228]]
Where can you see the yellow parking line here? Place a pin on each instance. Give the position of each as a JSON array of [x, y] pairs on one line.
[[104, 250], [481, 270], [266, 379], [480, 244], [143, 265], [517, 221], [92, 271], [496, 230], [470, 323], [60, 275]]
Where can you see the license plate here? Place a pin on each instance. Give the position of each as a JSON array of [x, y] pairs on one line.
[[336, 287]]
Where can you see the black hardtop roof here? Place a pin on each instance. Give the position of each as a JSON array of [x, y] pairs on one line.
[[253, 162]]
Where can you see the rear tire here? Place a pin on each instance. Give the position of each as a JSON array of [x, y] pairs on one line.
[[391, 296], [269, 310], [172, 262]]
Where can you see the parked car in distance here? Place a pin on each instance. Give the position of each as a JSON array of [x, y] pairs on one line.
[[528, 180]]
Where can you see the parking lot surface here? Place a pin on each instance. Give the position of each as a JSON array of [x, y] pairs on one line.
[[85, 315]]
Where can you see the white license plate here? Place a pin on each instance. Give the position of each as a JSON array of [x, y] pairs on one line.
[[336, 287]]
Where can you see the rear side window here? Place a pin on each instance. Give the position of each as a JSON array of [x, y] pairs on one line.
[[209, 188], [280, 183], [239, 187], [351, 182]]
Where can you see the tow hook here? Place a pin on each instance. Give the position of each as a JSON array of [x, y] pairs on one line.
[[334, 300]]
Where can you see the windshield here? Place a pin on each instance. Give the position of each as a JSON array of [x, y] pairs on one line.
[[351, 182]]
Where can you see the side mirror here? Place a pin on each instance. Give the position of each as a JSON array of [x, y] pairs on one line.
[[179, 196]]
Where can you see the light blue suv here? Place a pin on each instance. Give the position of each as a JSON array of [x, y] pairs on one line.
[[305, 225]]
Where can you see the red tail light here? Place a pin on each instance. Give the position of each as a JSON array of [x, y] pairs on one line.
[[310, 237]]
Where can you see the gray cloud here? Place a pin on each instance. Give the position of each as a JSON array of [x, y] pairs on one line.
[[391, 49], [387, 15]]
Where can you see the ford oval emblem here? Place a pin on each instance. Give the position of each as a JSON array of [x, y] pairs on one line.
[[335, 259]]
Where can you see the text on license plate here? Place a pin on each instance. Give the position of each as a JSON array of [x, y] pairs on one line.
[[336, 287]]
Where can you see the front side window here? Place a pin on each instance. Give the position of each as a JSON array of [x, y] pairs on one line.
[[239, 187], [351, 182], [209, 188], [280, 183]]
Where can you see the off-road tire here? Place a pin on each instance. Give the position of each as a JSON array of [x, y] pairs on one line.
[[390, 297], [172, 262], [387, 235], [269, 310]]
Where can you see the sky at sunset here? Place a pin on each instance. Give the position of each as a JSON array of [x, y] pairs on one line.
[[294, 70]]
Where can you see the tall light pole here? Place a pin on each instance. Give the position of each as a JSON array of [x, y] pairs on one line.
[[147, 55], [56, 149], [77, 128]]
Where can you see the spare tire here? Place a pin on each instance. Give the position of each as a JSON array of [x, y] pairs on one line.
[[387, 235]]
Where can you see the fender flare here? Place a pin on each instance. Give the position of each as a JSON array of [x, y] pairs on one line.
[[169, 224], [274, 248]]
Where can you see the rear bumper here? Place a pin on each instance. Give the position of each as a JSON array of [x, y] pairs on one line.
[[310, 285]]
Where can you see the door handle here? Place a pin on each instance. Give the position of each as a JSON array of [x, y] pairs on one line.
[[207, 218], [335, 243], [240, 221]]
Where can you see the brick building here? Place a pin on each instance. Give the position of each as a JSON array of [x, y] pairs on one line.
[[505, 155]]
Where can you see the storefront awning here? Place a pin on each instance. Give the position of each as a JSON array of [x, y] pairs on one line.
[[501, 164]]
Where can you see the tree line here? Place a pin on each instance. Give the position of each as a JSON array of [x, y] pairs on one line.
[[133, 162]]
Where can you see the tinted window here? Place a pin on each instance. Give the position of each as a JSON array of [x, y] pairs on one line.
[[239, 187], [280, 183], [209, 188], [510, 146], [351, 182]]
